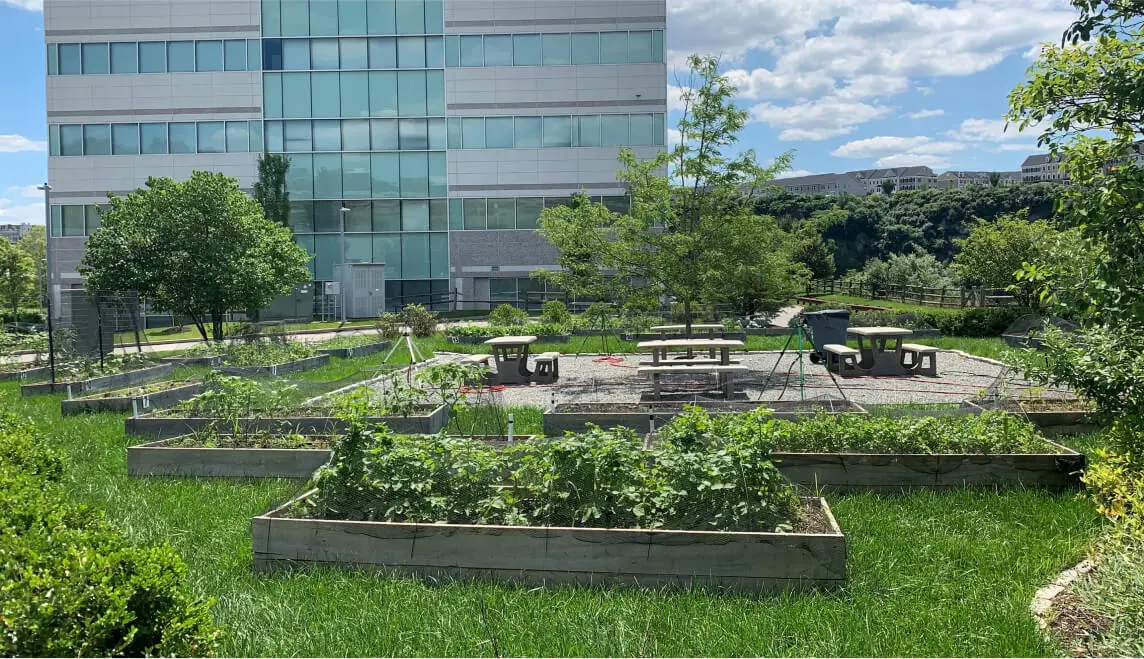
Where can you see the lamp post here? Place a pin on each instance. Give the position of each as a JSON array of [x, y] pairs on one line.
[[47, 189], [342, 296]]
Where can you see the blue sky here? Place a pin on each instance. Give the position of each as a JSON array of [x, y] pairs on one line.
[[847, 84]]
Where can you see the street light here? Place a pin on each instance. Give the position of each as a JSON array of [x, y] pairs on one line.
[[47, 190], [342, 296]]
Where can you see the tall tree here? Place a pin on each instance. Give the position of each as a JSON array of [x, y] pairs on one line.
[[994, 179], [888, 186], [17, 276], [994, 252], [198, 248], [270, 188], [35, 245]]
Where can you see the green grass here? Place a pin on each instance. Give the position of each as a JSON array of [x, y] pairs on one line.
[[1113, 596], [930, 574], [190, 333], [896, 306], [982, 347]]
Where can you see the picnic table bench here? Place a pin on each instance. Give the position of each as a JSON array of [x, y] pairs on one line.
[[722, 367], [881, 351]]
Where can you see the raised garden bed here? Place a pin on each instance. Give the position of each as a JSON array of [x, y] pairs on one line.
[[427, 420], [163, 394], [1052, 416], [356, 351], [26, 374], [205, 360], [552, 556], [575, 417], [101, 383], [277, 369]]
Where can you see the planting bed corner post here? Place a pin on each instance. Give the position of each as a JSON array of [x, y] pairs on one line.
[[741, 562]]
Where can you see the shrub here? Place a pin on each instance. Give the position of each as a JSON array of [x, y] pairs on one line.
[[389, 326], [25, 316], [555, 312], [265, 354], [507, 315], [1117, 486], [964, 322], [420, 321]]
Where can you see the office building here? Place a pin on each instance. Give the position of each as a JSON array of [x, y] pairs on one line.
[[14, 232]]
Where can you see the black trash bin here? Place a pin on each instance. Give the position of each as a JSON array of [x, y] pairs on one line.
[[826, 327]]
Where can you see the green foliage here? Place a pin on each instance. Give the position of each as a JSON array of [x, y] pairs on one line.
[[555, 312], [507, 315], [270, 188], [197, 248], [17, 276], [231, 397], [888, 187], [994, 252], [1117, 486], [265, 353], [389, 326], [449, 380], [420, 321], [34, 243], [965, 321], [916, 269]]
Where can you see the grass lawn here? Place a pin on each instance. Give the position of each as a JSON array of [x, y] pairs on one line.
[[896, 306], [190, 333], [930, 574]]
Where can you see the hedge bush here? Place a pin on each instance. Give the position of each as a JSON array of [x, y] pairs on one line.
[[70, 583], [972, 322], [24, 316]]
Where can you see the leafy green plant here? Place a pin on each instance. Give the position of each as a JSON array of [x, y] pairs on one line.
[[389, 326], [448, 380], [507, 315], [265, 354], [555, 312], [232, 397], [420, 321]]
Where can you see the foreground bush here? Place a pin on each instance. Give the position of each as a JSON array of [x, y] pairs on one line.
[[70, 584]]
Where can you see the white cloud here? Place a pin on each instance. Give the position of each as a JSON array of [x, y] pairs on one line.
[[25, 191], [911, 160], [818, 120], [925, 114], [30, 5], [993, 130], [924, 91], [795, 173], [14, 143], [885, 145], [761, 83], [674, 137], [21, 214], [674, 98]]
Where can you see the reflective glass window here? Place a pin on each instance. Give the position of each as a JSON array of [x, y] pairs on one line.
[[557, 49], [474, 213], [254, 55], [526, 50], [435, 93], [383, 134], [456, 214], [434, 52], [71, 63], [387, 250], [452, 51], [411, 101], [357, 220], [527, 132], [327, 254], [387, 215], [324, 54], [359, 248], [414, 254], [237, 136], [95, 58], [414, 175], [295, 54], [57, 221], [327, 176], [355, 176], [383, 53], [613, 47], [383, 93], [434, 16], [586, 48], [71, 140], [438, 174], [73, 221], [437, 134], [275, 142], [355, 53], [327, 135], [53, 60], [125, 139], [640, 127], [325, 94], [657, 129], [498, 50], [355, 94], [355, 135], [300, 177], [385, 170], [640, 47], [152, 57], [271, 18], [298, 136], [528, 212], [182, 137], [502, 213], [411, 16], [415, 216], [234, 54], [96, 140], [295, 18], [657, 45], [381, 16], [472, 50], [327, 217], [351, 17], [272, 54], [302, 216], [498, 133], [439, 215], [153, 138], [272, 95], [323, 18], [212, 137], [256, 144], [124, 58], [180, 56], [208, 56], [439, 256], [615, 130], [557, 131], [53, 140], [296, 95], [413, 134], [454, 124], [411, 52], [473, 132]]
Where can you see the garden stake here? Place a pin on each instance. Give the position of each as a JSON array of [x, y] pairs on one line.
[[510, 426]]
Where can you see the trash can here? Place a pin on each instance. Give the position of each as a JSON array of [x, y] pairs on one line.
[[826, 327]]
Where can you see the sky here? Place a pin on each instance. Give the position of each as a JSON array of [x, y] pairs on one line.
[[845, 84]]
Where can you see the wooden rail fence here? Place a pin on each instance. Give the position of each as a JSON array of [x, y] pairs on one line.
[[947, 297]]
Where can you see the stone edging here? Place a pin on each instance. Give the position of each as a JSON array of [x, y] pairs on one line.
[[1043, 602]]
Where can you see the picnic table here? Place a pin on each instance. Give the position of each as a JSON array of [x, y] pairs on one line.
[[722, 367], [880, 349], [511, 356], [709, 328], [659, 348]]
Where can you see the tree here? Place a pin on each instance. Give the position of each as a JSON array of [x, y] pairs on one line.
[[811, 247], [17, 276], [270, 188], [888, 186], [994, 252], [994, 179], [580, 230], [35, 245], [197, 248]]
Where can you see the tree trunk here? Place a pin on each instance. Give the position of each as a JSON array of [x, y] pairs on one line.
[[216, 325], [201, 327]]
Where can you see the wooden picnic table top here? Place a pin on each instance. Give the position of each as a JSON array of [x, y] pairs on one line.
[[511, 341], [879, 331], [694, 326], [689, 343]]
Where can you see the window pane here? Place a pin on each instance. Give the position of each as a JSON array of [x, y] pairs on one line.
[[323, 17], [586, 48], [498, 50], [411, 16], [70, 61], [438, 255], [327, 216], [434, 16], [355, 176], [152, 57], [641, 130], [502, 213], [558, 131], [620, 204], [295, 18], [73, 220], [411, 101], [385, 172], [414, 134], [355, 94], [387, 250], [472, 51], [380, 16], [327, 254], [657, 45], [414, 254], [96, 140], [271, 18], [237, 136], [212, 137], [411, 52], [272, 54], [71, 140], [234, 54], [53, 61], [613, 47], [438, 174], [526, 49], [359, 249], [434, 52], [208, 56], [327, 135], [256, 144], [325, 94], [527, 132], [455, 132], [302, 216], [414, 175], [502, 289], [296, 95], [383, 93], [300, 177], [383, 53], [355, 53], [473, 132], [124, 58], [657, 129], [452, 51], [437, 137], [180, 56], [528, 212], [456, 214], [615, 130], [95, 58], [275, 143], [474, 213], [383, 134], [387, 215], [439, 215], [254, 55], [298, 136], [351, 17], [57, 221], [295, 54], [272, 95], [415, 216], [324, 54], [327, 176], [498, 132], [435, 93], [357, 220], [640, 47], [54, 140], [153, 138], [355, 135], [557, 49], [125, 139]]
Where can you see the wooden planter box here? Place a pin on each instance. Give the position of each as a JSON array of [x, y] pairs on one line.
[[277, 369], [356, 351], [155, 400], [1049, 422], [553, 556], [102, 383], [159, 458], [26, 374], [1057, 469], [162, 427], [209, 360], [575, 417]]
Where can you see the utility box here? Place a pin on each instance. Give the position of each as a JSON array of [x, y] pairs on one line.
[[362, 288]]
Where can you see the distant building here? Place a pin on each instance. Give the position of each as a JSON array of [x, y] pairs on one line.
[[822, 184], [14, 232], [1045, 167], [904, 178], [957, 180]]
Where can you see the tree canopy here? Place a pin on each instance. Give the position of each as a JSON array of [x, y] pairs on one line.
[[270, 188], [17, 275]]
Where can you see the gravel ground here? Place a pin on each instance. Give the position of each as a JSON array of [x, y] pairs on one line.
[[593, 379]]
